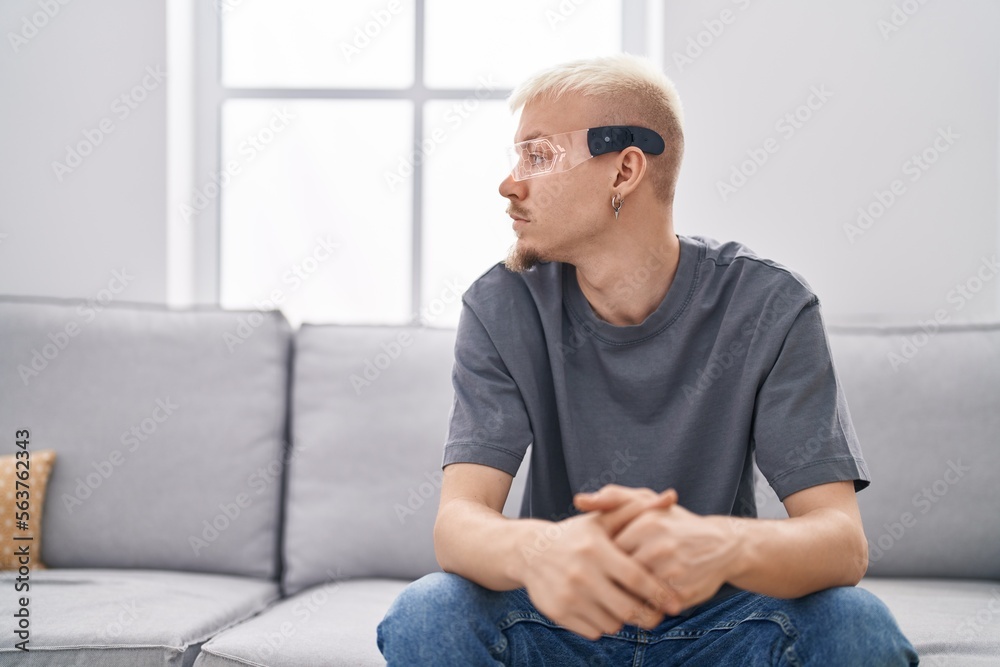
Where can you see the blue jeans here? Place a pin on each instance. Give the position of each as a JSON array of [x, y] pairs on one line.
[[444, 619]]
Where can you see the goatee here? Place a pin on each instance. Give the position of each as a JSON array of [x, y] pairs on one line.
[[520, 259]]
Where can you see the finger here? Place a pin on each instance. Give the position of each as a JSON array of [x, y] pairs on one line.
[[615, 520], [612, 497], [609, 497], [634, 535], [668, 497], [635, 578], [595, 620], [626, 607]]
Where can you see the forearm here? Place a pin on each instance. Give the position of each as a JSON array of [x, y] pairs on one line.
[[794, 557], [483, 545]]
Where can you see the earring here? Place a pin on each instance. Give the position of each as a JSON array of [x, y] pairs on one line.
[[616, 203]]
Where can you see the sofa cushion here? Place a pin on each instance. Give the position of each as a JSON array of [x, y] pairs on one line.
[[330, 624], [123, 617], [949, 622], [370, 412], [925, 408], [370, 409], [169, 427]]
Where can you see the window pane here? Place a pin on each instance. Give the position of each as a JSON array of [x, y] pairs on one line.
[[307, 175], [317, 43], [504, 42], [466, 229]]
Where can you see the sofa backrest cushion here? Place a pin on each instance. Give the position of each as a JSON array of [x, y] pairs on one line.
[[926, 407], [369, 417], [370, 412], [169, 428]]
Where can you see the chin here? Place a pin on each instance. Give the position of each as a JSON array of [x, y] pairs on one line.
[[520, 259]]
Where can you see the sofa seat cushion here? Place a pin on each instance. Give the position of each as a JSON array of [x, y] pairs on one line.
[[329, 624], [948, 621], [125, 617]]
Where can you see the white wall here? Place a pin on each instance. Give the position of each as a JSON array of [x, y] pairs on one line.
[[890, 96], [65, 238]]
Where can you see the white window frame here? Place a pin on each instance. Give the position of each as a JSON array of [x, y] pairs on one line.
[[195, 131]]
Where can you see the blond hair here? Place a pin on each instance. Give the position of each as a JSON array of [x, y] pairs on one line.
[[632, 92]]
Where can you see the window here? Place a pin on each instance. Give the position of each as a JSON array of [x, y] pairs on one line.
[[356, 150]]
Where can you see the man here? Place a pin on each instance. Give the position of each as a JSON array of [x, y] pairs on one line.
[[650, 368]]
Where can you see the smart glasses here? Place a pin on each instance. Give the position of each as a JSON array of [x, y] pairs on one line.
[[561, 152]]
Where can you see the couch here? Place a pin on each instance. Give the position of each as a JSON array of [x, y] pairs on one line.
[[228, 491]]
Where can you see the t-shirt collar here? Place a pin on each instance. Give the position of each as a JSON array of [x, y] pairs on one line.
[[666, 313]]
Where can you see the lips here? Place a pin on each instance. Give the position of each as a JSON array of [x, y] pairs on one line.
[[519, 216]]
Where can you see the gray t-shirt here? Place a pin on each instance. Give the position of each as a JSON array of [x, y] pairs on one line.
[[734, 362]]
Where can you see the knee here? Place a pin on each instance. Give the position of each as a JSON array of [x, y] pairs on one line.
[[425, 600], [855, 609], [854, 627], [435, 603]]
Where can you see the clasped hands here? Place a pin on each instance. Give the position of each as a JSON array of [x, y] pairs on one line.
[[632, 557]]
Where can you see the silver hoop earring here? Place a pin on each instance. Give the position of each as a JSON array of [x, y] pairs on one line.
[[616, 203]]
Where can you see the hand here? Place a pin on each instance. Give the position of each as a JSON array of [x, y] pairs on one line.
[[580, 579], [693, 555], [613, 496]]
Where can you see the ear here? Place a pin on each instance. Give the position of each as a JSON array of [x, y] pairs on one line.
[[631, 164]]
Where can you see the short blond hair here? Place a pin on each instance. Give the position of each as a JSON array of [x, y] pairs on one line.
[[633, 92]]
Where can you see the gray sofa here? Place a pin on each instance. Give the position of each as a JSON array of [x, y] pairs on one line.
[[228, 491]]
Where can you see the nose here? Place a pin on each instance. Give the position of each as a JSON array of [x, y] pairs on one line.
[[512, 189]]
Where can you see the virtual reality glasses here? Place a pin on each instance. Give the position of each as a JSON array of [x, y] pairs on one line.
[[561, 152]]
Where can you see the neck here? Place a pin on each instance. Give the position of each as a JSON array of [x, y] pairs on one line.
[[626, 282]]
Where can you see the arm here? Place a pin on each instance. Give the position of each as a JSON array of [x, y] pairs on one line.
[[821, 544], [571, 569], [472, 537]]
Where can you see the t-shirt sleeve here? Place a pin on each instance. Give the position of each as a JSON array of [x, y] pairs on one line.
[[489, 423], [803, 434]]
